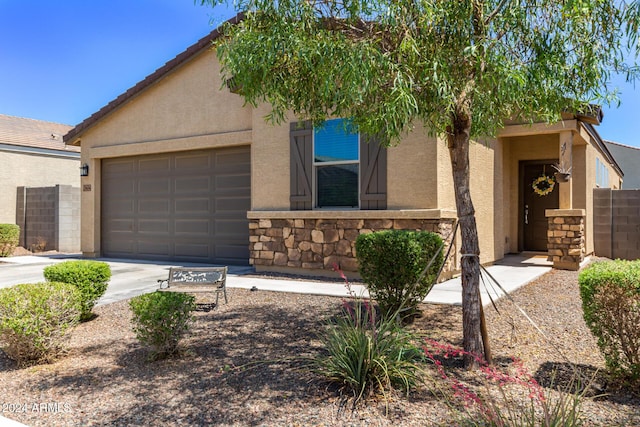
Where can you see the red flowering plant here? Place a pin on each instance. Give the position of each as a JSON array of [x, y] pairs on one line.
[[507, 397]]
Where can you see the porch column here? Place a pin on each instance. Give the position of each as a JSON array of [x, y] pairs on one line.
[[566, 237], [565, 189]]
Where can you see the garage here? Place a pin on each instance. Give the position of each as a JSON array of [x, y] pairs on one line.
[[185, 206]]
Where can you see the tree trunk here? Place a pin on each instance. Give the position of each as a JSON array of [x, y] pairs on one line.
[[470, 263]]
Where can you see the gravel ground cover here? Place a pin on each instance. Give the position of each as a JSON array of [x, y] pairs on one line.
[[243, 364]]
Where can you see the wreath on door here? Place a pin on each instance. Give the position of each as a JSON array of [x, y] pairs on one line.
[[543, 185]]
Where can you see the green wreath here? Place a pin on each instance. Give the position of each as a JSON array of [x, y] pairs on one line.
[[543, 185]]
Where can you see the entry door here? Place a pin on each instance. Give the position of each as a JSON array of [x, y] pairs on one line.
[[534, 223]]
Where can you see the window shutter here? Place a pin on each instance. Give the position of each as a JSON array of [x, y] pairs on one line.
[[373, 182], [301, 137]]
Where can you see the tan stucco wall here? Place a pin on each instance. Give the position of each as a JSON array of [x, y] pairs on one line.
[[486, 182], [188, 110], [412, 172], [523, 148], [270, 157], [32, 170], [185, 110], [186, 103], [411, 168]]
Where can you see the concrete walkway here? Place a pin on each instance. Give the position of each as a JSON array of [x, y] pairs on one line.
[[135, 277]]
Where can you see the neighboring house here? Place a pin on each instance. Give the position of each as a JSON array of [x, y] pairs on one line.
[[629, 160], [34, 156], [182, 170]]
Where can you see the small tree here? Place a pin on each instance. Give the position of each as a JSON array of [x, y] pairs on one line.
[[459, 67]]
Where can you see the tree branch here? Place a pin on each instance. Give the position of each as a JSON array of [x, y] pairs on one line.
[[495, 11]]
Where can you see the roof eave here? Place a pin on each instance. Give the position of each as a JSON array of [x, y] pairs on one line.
[[73, 136]]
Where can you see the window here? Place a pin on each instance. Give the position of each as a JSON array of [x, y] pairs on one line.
[[334, 167], [602, 174], [336, 163]]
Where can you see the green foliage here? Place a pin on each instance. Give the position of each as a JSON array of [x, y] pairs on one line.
[[610, 292], [460, 68], [34, 319], [392, 263], [160, 320], [90, 277], [9, 238], [368, 356], [389, 63], [502, 403]]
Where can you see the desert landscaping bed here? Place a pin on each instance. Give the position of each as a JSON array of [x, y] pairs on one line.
[[244, 364]]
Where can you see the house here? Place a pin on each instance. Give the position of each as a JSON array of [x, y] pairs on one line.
[[629, 160], [34, 160], [182, 170]]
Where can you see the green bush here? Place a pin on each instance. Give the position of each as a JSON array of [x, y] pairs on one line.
[[9, 238], [391, 264], [610, 294], [368, 356], [34, 318], [160, 320], [90, 277]]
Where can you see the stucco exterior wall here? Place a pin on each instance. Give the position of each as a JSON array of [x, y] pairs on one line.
[[32, 170], [412, 172], [270, 168], [487, 174], [186, 103], [185, 110], [486, 186], [523, 148], [411, 168]]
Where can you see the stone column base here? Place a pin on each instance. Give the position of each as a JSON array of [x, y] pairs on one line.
[[565, 237]]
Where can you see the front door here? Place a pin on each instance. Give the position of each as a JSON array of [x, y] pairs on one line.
[[534, 223]]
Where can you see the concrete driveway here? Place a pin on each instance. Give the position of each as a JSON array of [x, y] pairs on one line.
[[134, 277], [128, 277]]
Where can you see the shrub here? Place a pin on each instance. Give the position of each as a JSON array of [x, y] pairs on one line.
[[392, 263], [34, 318], [160, 320], [503, 402], [367, 355], [90, 277], [9, 238], [610, 292]]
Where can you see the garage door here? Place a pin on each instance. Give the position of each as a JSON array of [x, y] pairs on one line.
[[187, 206]]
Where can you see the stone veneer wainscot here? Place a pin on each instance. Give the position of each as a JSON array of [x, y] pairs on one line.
[[304, 241]]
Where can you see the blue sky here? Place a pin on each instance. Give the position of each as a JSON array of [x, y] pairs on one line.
[[63, 60]]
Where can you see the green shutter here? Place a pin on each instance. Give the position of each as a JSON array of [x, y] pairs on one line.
[[301, 138]]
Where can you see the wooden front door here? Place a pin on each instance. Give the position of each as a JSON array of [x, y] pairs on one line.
[[533, 221]]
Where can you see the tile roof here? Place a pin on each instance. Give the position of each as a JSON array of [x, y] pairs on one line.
[[204, 43], [34, 133]]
